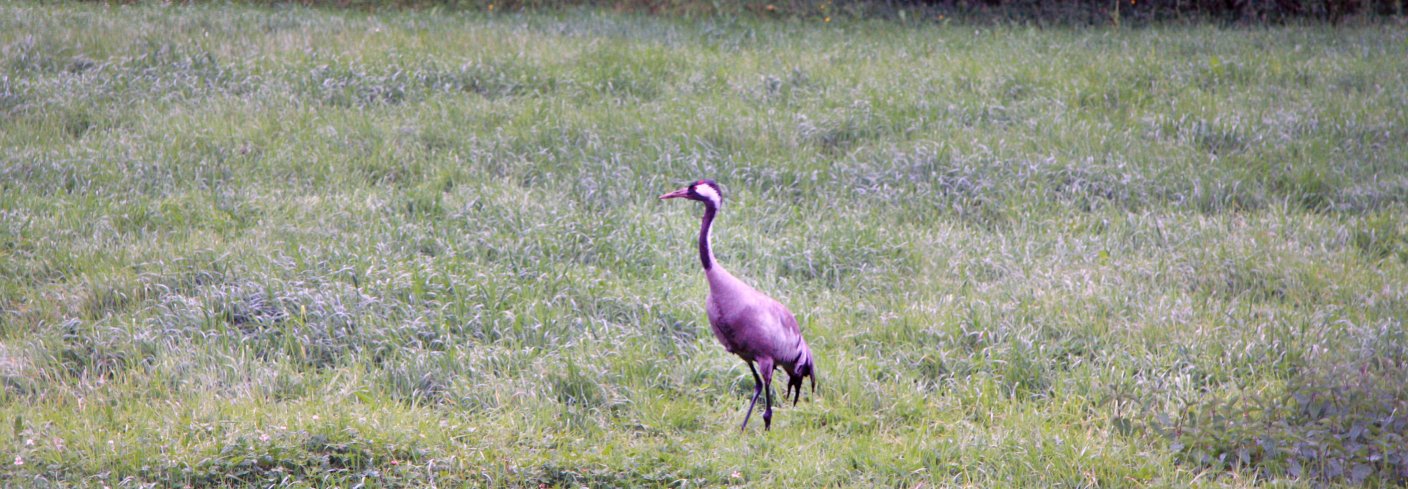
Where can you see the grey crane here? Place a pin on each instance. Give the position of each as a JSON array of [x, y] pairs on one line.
[[749, 323]]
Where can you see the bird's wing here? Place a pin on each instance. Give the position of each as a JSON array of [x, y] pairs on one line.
[[789, 322]]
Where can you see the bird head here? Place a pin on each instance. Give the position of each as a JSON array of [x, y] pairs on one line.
[[803, 369], [706, 191]]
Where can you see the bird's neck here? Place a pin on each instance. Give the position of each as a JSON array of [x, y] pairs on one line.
[[706, 254]]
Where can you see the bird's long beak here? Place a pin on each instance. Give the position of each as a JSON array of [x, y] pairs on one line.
[[676, 194]]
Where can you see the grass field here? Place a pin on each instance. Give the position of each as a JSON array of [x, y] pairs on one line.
[[245, 246]]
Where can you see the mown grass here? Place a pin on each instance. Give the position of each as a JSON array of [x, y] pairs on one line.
[[255, 246]]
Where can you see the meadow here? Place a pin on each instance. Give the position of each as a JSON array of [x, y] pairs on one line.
[[257, 246]]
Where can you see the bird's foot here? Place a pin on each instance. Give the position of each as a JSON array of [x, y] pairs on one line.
[[767, 419]]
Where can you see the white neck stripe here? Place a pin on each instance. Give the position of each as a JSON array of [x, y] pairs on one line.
[[708, 193]]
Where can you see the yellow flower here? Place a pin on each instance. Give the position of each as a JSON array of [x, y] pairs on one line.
[[828, 20]]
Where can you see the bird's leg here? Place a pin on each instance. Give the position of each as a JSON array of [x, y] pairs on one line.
[[757, 389], [767, 392]]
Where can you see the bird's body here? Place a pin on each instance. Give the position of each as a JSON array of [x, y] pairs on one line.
[[749, 324], [746, 322]]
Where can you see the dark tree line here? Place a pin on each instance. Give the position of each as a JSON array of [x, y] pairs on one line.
[[1067, 12], [1149, 10]]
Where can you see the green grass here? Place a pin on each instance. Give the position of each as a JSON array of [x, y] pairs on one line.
[[254, 246]]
